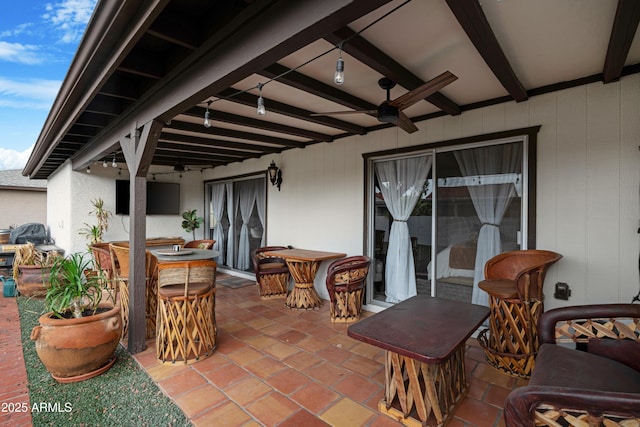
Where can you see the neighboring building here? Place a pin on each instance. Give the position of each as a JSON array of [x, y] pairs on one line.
[[22, 199]]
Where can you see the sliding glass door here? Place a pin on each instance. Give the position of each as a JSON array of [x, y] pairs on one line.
[[236, 219], [436, 217]]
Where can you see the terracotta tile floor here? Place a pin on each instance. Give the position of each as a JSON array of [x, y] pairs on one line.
[[273, 367], [280, 367]]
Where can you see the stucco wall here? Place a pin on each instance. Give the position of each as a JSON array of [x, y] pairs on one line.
[[69, 208], [21, 207], [587, 185]]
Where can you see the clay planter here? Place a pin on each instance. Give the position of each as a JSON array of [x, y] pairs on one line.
[[33, 280], [78, 349]]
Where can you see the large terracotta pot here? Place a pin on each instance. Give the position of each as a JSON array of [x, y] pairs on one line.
[[78, 349], [33, 280]]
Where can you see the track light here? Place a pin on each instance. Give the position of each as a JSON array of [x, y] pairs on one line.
[[113, 163], [261, 109], [207, 123], [338, 77]]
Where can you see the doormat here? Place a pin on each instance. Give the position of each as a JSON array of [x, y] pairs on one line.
[[235, 282]]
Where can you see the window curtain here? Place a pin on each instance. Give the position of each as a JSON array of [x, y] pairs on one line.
[[246, 199], [490, 201], [231, 219], [401, 182], [217, 209], [261, 206]]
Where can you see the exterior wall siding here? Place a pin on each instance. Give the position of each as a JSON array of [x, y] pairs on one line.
[[22, 206]]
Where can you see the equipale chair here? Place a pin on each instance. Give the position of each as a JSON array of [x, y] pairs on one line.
[[120, 267], [200, 244], [346, 280], [514, 282], [102, 258], [272, 273], [186, 323]]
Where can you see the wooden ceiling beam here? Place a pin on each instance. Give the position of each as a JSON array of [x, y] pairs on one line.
[[290, 111], [623, 31], [315, 87], [209, 142], [211, 150], [474, 22], [232, 133], [379, 61]]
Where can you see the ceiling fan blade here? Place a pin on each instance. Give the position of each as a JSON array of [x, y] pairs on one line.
[[421, 92], [335, 113], [405, 123]]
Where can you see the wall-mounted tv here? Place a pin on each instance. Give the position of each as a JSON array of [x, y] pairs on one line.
[[163, 198]]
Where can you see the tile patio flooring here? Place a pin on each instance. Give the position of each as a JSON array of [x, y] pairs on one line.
[[280, 367]]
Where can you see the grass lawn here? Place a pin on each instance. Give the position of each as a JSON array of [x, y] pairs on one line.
[[122, 396]]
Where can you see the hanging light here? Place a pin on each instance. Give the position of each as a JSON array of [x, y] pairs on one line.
[[89, 169], [275, 174], [104, 163], [338, 77], [261, 109], [207, 123], [113, 163]]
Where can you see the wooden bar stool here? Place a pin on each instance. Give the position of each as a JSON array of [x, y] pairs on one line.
[[186, 323], [272, 273], [514, 281], [346, 280], [120, 268]]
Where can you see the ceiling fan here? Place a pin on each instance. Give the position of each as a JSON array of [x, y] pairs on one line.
[[390, 111]]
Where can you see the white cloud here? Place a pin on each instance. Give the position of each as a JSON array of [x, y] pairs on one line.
[[21, 53], [40, 90], [12, 159], [70, 18]]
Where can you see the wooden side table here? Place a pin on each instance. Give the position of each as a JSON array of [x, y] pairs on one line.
[[303, 265], [424, 339]]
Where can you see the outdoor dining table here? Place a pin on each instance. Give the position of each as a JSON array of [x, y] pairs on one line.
[[424, 339], [303, 265]]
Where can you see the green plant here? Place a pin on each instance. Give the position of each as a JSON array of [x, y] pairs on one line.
[[191, 221], [72, 290], [94, 233]]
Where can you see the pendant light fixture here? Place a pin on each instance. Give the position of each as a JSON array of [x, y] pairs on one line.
[[261, 108], [207, 123], [338, 77]]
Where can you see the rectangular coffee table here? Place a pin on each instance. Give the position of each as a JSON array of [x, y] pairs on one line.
[[424, 339]]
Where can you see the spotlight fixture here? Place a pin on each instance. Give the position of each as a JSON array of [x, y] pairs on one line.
[[338, 77], [275, 174], [104, 164], [113, 163], [207, 123], [261, 109]]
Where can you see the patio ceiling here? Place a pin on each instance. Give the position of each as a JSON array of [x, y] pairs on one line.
[[164, 60]]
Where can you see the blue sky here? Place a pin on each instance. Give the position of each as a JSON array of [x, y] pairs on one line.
[[37, 42]]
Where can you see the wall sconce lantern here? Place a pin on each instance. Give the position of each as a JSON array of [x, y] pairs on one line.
[[275, 174]]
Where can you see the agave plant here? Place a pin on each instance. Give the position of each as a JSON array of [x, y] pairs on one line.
[[72, 290]]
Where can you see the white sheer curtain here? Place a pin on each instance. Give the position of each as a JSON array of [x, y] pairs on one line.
[[261, 205], [217, 209], [490, 201], [246, 198], [401, 182], [231, 218]]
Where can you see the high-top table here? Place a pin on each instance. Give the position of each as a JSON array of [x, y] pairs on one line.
[[185, 254], [424, 339], [303, 265]]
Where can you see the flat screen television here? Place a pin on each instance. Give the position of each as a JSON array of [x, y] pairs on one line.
[[163, 198]]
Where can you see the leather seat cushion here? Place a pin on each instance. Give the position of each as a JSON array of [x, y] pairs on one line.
[[566, 367]]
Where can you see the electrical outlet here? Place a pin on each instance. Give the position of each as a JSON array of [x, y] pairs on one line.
[[562, 291]]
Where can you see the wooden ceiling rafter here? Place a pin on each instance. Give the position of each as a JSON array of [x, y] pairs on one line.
[[376, 59], [474, 22], [625, 25], [198, 141]]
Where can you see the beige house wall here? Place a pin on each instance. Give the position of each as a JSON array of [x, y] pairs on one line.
[[19, 207]]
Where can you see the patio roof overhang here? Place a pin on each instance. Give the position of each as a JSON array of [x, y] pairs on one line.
[[163, 60]]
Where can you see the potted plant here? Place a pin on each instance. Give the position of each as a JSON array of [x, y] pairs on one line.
[[191, 221], [77, 338], [94, 233], [31, 269]]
